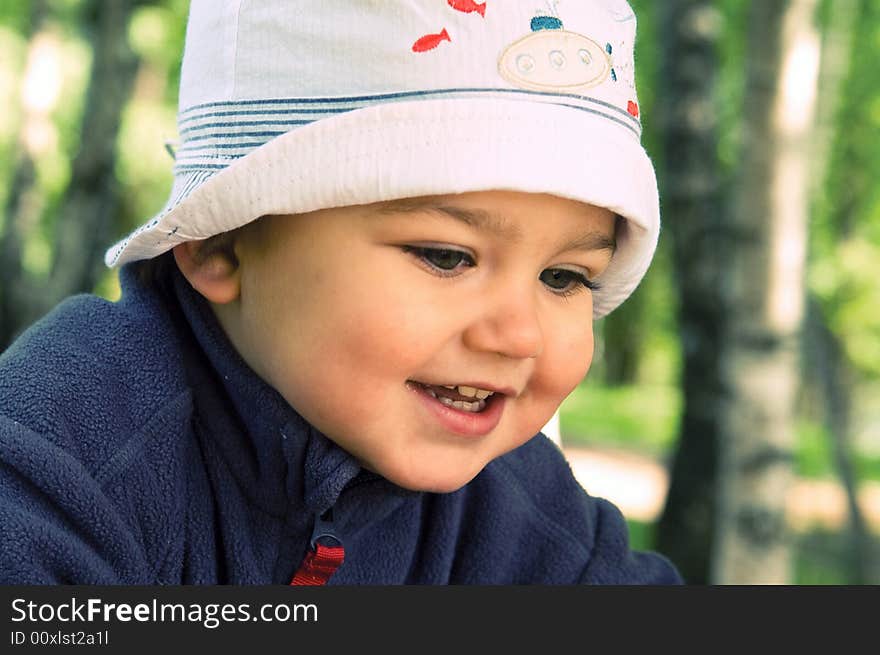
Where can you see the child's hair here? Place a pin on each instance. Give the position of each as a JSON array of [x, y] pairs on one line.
[[410, 100]]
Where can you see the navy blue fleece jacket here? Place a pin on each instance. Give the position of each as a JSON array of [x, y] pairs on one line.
[[137, 447]]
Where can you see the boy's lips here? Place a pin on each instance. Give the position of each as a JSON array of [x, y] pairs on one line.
[[465, 414]]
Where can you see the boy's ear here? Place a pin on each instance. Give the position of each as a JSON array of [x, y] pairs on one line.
[[211, 267]]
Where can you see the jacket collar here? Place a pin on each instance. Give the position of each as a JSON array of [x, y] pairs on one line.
[[274, 454]]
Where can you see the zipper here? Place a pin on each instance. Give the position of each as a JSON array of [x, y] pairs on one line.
[[325, 555]]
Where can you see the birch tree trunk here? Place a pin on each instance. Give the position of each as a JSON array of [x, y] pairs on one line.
[[692, 215], [760, 363]]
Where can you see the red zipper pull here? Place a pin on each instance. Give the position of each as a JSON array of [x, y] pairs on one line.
[[322, 561], [319, 565]]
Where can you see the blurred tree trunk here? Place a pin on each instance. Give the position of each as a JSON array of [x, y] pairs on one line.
[[22, 212], [836, 379], [765, 292], [693, 216], [91, 198]]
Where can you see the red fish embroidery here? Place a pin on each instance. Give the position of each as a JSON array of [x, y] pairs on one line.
[[632, 108], [430, 41], [468, 6]]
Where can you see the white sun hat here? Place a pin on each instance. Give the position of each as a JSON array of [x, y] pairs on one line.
[[288, 107]]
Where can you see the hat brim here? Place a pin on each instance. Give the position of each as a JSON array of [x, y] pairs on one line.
[[429, 147]]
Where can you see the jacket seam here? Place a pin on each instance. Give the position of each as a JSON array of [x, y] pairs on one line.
[[122, 460], [201, 430], [550, 527]]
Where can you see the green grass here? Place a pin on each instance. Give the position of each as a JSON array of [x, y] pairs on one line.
[[643, 418]]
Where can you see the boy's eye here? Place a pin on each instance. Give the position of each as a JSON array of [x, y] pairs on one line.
[[563, 281], [443, 260]]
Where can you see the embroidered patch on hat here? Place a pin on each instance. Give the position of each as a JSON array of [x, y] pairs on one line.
[[550, 58]]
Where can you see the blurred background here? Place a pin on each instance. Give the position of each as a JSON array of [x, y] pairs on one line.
[[732, 411]]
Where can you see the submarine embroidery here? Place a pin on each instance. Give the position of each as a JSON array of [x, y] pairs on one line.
[[551, 58]]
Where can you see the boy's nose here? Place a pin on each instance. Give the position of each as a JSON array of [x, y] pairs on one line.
[[507, 324]]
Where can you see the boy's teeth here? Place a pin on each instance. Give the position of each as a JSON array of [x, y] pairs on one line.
[[476, 406], [472, 392], [479, 397], [468, 407]]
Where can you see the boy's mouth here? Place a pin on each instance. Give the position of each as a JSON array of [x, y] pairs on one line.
[[461, 397]]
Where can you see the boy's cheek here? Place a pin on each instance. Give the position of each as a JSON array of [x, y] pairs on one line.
[[561, 371], [556, 376], [391, 332]]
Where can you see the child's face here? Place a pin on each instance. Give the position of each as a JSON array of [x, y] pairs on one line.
[[359, 316]]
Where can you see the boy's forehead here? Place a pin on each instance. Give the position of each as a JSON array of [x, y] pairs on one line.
[[482, 206]]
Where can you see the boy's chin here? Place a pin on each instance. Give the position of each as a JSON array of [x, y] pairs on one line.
[[430, 481], [437, 488]]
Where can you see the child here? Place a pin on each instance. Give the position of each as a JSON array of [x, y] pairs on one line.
[[391, 227]]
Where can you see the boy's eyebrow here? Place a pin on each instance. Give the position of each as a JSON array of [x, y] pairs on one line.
[[593, 241], [489, 222], [477, 218]]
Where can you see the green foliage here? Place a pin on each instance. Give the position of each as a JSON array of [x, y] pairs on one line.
[[156, 34], [50, 134], [644, 418], [845, 230], [14, 48], [42, 123], [14, 16], [814, 457], [646, 72], [53, 162]]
